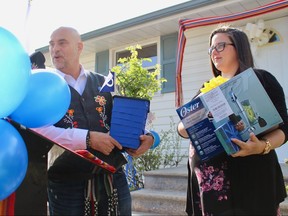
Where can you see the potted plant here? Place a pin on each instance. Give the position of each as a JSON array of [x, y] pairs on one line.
[[135, 88]]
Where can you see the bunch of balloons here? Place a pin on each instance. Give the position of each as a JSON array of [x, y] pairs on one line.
[[33, 98]]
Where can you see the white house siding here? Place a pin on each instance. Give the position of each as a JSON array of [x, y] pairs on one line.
[[274, 58], [88, 60]]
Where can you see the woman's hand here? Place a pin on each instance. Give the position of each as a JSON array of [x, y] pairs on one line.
[[182, 131], [252, 146]]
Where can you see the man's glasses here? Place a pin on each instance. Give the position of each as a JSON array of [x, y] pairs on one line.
[[219, 47]]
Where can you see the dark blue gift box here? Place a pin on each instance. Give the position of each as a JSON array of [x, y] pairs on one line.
[[224, 133], [128, 120]]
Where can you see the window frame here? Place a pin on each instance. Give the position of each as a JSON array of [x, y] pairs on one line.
[[155, 41]]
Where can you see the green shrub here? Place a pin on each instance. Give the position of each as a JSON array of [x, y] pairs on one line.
[[134, 80], [168, 154]]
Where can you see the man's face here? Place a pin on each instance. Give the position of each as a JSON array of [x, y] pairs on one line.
[[64, 49]]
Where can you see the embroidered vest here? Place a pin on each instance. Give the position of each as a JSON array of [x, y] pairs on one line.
[[90, 111]]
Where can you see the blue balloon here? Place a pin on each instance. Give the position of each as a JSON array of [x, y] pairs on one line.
[[15, 70], [13, 159], [46, 102], [156, 139]]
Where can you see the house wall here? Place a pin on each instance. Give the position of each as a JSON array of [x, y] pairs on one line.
[[273, 57], [88, 60]]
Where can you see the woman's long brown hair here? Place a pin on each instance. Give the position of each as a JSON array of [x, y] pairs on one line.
[[241, 44]]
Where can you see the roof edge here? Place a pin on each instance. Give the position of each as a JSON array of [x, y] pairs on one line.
[[162, 13]]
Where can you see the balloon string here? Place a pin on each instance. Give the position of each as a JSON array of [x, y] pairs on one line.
[[28, 10], [26, 23]]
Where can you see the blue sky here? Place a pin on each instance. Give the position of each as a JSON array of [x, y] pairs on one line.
[[33, 25]]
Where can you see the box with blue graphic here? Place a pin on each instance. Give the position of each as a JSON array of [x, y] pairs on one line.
[[241, 102], [198, 122], [224, 133]]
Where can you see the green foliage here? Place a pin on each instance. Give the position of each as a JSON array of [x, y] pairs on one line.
[[166, 155], [132, 80]]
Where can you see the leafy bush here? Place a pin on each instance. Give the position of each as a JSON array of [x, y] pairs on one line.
[[168, 154], [134, 80]]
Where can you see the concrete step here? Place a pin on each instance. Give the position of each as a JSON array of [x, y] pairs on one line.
[[284, 168], [160, 202], [167, 179], [164, 192], [145, 214]]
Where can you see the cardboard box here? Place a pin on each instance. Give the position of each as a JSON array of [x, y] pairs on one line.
[[241, 101]]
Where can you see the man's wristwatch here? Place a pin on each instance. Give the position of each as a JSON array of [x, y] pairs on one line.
[[88, 140], [268, 146], [149, 134]]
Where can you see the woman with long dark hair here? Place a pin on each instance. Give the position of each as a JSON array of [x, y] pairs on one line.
[[249, 182]]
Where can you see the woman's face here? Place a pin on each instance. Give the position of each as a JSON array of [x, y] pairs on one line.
[[223, 55]]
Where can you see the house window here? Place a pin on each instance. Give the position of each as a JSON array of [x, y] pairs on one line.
[[102, 62], [168, 61], [148, 51], [166, 58]]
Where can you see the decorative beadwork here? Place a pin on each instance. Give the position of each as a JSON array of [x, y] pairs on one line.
[[87, 207], [91, 201]]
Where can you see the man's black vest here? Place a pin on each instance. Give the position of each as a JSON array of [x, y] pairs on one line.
[[90, 111]]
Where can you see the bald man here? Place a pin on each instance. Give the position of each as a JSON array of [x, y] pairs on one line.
[[85, 126]]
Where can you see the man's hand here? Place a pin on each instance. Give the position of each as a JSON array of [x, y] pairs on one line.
[[146, 143], [103, 142]]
